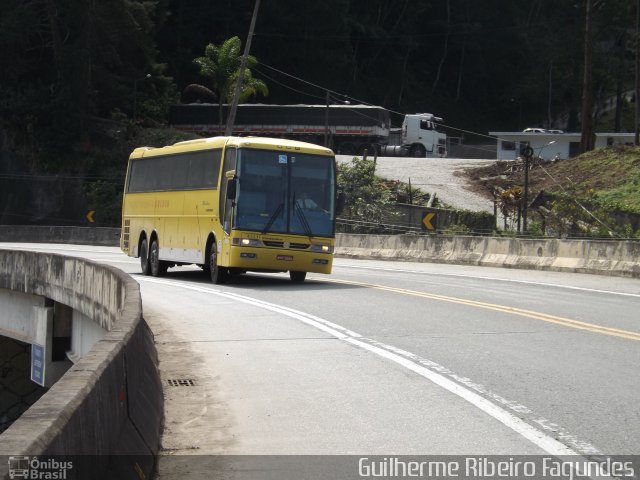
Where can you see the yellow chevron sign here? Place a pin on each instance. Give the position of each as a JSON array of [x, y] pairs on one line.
[[90, 216], [428, 221]]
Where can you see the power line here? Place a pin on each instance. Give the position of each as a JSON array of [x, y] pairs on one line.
[[361, 102], [287, 86], [337, 97], [324, 89]]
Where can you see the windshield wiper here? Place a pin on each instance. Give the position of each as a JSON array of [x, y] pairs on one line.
[[272, 218], [303, 218]]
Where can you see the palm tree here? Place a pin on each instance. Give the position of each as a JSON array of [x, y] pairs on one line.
[[221, 63]]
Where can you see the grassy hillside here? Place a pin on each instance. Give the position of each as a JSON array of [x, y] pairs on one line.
[[597, 193], [610, 175]]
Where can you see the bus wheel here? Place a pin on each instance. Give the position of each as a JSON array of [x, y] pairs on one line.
[[158, 267], [144, 257], [297, 277], [218, 274]]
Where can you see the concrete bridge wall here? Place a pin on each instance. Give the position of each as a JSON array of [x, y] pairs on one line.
[[109, 405]]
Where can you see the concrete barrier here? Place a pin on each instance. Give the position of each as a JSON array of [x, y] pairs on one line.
[[107, 410], [102, 236], [582, 256]]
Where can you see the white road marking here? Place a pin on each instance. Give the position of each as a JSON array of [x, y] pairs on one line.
[[457, 385], [494, 279]]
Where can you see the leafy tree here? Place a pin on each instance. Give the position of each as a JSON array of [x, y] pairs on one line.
[[221, 64], [367, 197]]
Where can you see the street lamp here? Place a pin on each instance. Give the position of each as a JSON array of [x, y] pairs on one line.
[[135, 95]]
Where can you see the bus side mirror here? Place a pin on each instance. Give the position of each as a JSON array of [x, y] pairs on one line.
[[231, 188]]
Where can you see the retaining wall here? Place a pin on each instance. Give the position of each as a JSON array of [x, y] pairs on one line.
[[107, 410]]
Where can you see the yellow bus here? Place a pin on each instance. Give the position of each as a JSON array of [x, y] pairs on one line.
[[231, 205]]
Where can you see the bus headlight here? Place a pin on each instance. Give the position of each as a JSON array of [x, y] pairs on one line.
[[247, 242], [321, 248]]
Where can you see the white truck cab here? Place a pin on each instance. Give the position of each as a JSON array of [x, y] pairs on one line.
[[421, 136]]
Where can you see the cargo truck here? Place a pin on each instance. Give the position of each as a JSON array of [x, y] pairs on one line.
[[347, 129]]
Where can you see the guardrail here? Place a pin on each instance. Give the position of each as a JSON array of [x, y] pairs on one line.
[[107, 410]]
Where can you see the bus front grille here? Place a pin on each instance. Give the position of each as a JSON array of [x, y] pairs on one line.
[[298, 246]]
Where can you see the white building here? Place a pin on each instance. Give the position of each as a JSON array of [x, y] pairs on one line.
[[551, 145]]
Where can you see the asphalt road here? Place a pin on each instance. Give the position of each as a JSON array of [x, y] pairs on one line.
[[395, 358]]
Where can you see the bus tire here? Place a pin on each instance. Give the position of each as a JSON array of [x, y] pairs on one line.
[[144, 257], [158, 267], [217, 273], [297, 277]]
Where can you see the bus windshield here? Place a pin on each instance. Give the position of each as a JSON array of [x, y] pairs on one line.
[[285, 193]]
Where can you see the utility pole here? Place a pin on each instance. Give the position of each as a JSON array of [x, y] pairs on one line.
[[243, 64], [326, 122], [586, 140], [637, 95], [549, 120]]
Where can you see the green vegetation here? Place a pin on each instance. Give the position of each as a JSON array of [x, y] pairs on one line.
[[608, 177], [367, 197], [80, 79], [594, 194], [105, 166], [375, 205], [221, 65], [365, 194]]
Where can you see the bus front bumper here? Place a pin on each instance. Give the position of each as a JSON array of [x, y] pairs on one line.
[[247, 258]]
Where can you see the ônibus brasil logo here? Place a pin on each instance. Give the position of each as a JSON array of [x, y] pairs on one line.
[[37, 468]]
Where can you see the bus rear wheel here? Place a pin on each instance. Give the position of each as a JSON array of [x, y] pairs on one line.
[[217, 273], [297, 277], [158, 267], [144, 257]]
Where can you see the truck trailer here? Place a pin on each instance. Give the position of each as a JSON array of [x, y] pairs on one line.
[[346, 129]]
